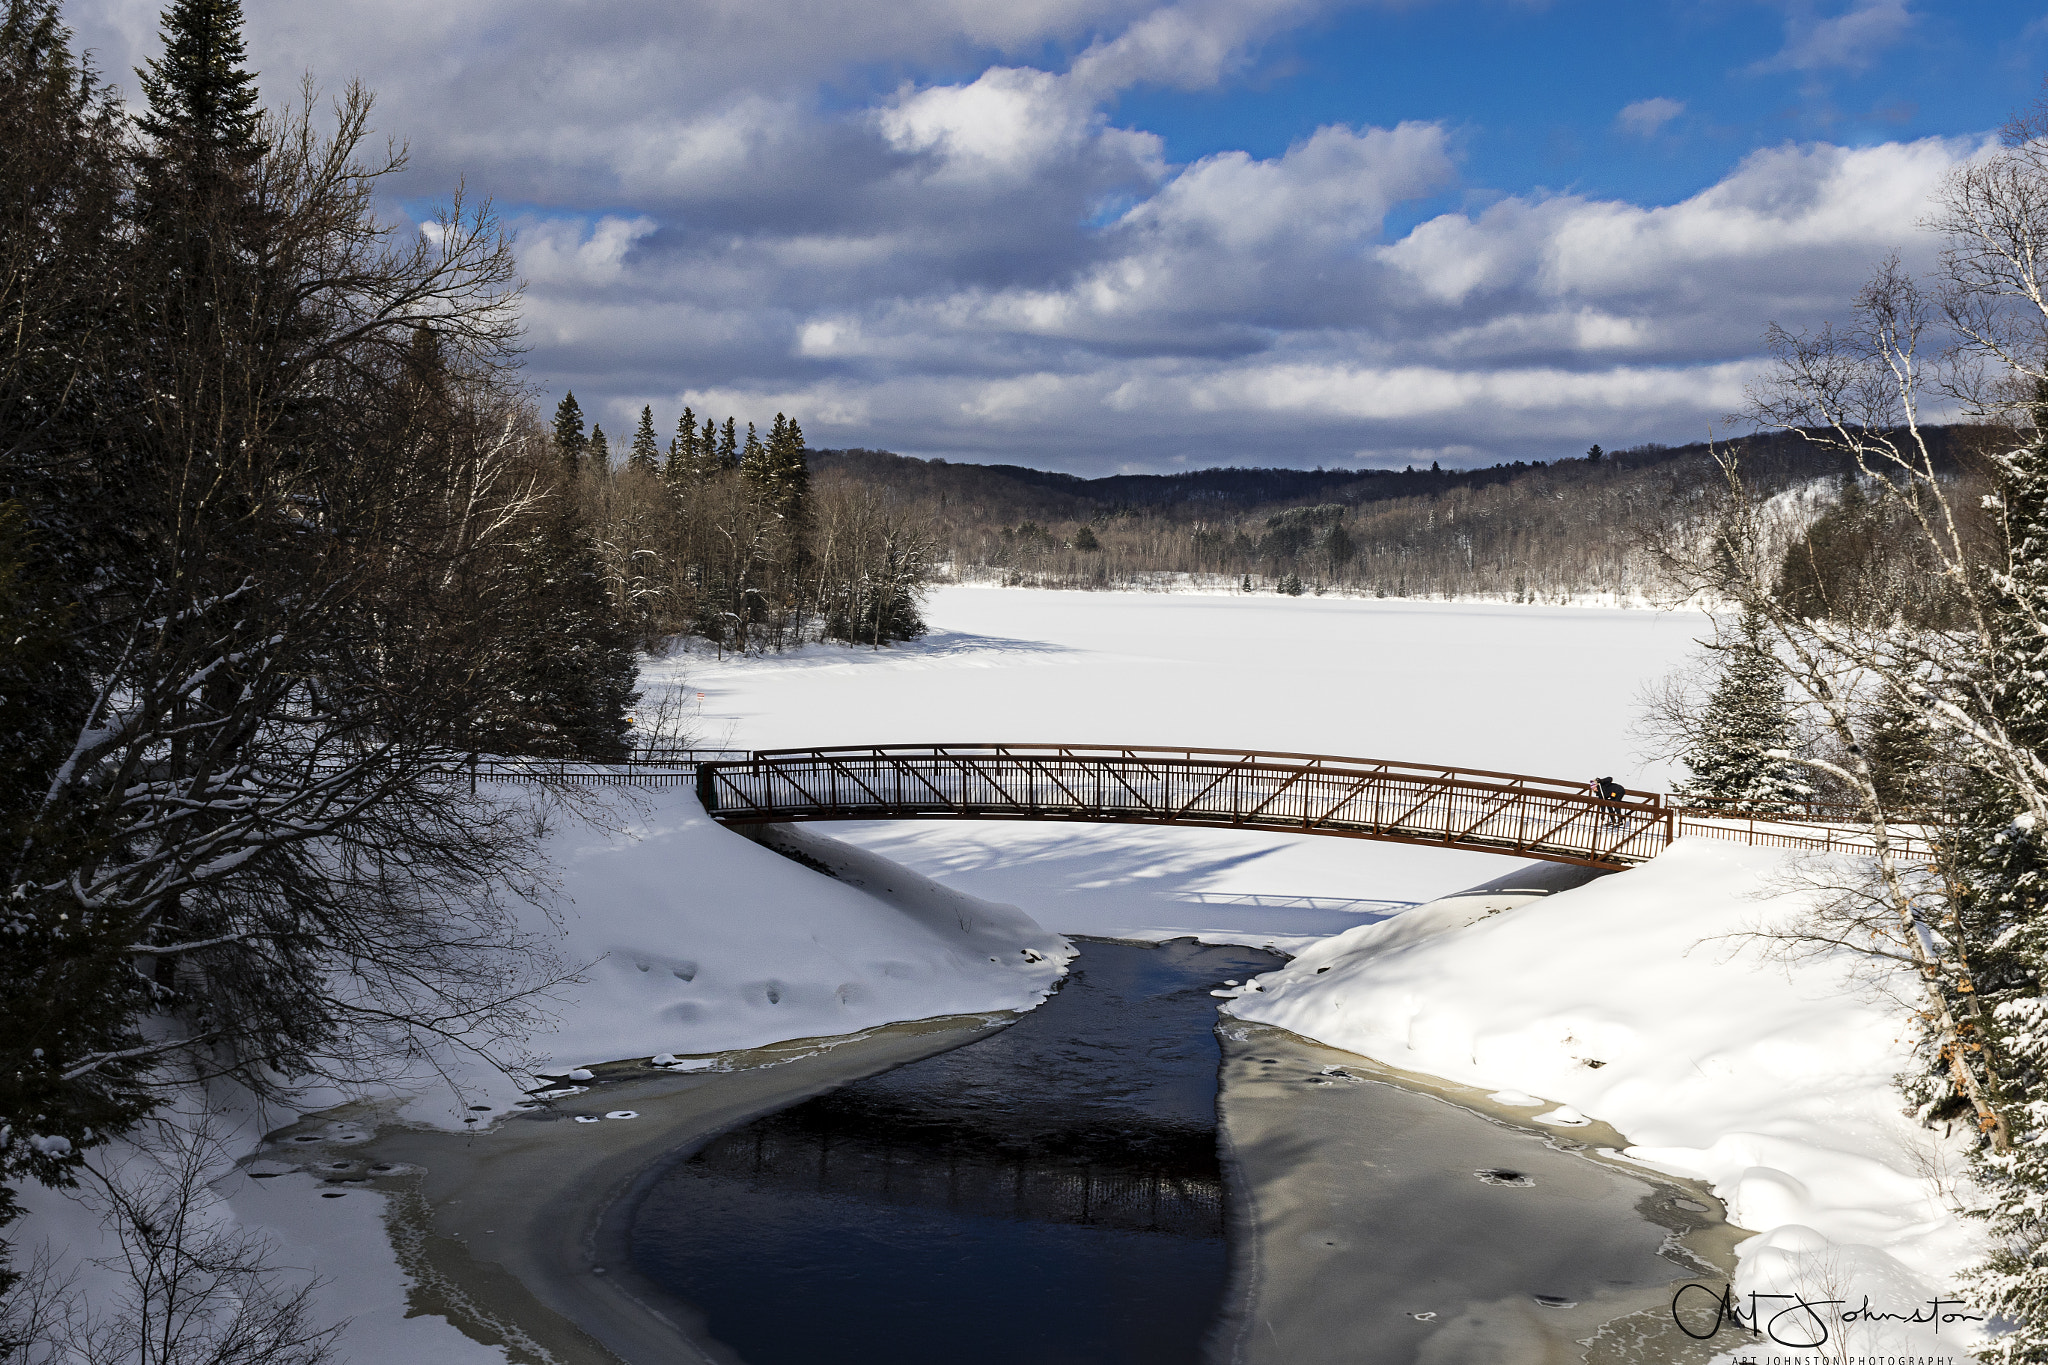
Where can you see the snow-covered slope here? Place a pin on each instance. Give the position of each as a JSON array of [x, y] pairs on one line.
[[690, 939], [1637, 999]]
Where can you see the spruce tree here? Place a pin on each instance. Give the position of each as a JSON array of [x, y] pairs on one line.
[[2001, 864], [598, 454], [203, 119], [751, 456], [569, 673], [1739, 761], [683, 467], [569, 438], [729, 445], [200, 97], [644, 451], [779, 475], [1899, 745]]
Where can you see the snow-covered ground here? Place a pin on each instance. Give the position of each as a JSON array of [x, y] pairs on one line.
[[1640, 1000], [1772, 1084], [1542, 690], [691, 939]]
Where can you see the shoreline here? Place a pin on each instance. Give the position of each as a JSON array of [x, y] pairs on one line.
[[519, 1234], [516, 1233], [1292, 1235]]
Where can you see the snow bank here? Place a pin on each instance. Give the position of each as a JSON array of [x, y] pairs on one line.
[[692, 939], [1635, 1000]]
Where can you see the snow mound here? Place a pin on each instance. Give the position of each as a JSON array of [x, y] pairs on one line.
[[693, 939], [1636, 1000]]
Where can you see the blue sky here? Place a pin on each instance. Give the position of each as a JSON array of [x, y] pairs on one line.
[[1535, 88], [1102, 235]]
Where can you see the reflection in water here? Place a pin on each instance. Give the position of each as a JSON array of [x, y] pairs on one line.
[[849, 1145], [1047, 1195]]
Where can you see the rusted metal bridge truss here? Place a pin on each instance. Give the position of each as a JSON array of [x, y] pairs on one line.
[[1351, 798]]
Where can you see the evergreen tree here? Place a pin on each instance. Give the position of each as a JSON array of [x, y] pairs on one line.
[[569, 437], [644, 452], [2001, 864], [683, 466], [203, 120], [1832, 571], [1739, 759], [751, 455], [1338, 548], [779, 475], [201, 100], [1290, 584], [569, 673], [1085, 539], [1899, 745], [729, 444], [599, 452]]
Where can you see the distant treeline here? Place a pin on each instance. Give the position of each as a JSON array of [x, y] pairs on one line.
[[1520, 531]]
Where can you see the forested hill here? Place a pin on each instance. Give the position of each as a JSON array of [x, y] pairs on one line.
[[1522, 531]]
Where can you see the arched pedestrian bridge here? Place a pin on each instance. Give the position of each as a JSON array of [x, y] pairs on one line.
[[1352, 798]]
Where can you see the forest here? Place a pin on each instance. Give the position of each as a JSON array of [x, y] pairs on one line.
[[1518, 532]]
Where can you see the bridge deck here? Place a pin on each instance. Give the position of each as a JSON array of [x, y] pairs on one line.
[[1493, 812], [1355, 798]]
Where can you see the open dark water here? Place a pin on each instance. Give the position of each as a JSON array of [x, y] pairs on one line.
[[1049, 1195]]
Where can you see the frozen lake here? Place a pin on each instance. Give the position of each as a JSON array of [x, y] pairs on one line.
[[1543, 690]]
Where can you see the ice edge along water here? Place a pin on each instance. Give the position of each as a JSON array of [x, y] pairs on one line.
[[1640, 1000]]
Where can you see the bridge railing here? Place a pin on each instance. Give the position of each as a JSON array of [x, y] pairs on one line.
[[1479, 809], [1299, 793]]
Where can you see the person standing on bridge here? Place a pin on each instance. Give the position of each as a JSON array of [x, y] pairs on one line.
[[1608, 793]]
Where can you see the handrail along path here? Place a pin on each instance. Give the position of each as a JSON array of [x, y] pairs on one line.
[[1355, 798]]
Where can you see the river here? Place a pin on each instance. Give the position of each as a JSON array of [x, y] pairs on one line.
[[1053, 1195]]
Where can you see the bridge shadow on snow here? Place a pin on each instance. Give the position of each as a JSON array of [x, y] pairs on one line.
[[1099, 879]]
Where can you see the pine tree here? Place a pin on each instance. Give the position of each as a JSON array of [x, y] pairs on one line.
[[599, 452], [750, 456], [1085, 539], [779, 475], [569, 437], [643, 455], [203, 120], [1899, 745], [1338, 548], [1831, 571], [683, 467], [1740, 759], [729, 444], [569, 675], [2001, 864]]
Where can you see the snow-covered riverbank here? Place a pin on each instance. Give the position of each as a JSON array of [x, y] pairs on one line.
[[1772, 1083], [1642, 1000]]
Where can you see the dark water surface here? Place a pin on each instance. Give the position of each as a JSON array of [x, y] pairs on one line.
[[1049, 1195]]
